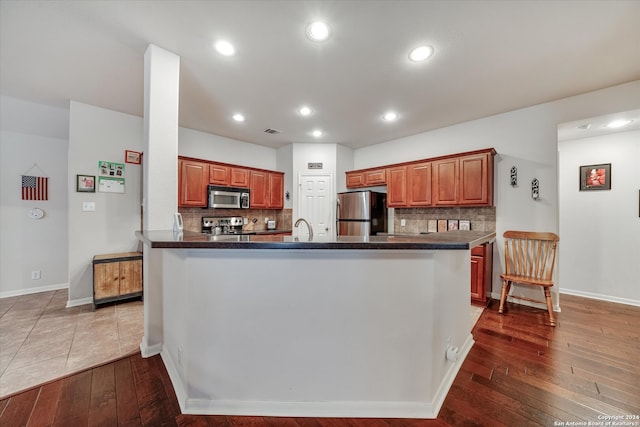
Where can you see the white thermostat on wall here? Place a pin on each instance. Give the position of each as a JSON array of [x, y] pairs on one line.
[[35, 213]]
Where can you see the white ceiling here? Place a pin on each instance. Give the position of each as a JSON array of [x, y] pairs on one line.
[[490, 57]]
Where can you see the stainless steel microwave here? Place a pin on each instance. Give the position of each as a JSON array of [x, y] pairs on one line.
[[228, 197]]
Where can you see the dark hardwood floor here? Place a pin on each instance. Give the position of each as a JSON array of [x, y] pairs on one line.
[[520, 372]]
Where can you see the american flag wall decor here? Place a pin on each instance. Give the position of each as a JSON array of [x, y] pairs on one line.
[[35, 187]]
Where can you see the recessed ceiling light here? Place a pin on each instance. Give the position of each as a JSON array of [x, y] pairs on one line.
[[318, 31], [317, 133], [618, 123], [420, 53], [225, 48], [390, 116], [304, 110], [238, 117]]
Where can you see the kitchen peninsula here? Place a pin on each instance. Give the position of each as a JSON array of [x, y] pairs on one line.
[[339, 327]]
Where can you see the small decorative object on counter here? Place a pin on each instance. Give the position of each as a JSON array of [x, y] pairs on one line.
[[514, 176], [464, 224], [432, 226], [442, 225], [535, 189], [452, 224]]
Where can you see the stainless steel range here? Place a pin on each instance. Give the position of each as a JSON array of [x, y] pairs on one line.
[[223, 225]]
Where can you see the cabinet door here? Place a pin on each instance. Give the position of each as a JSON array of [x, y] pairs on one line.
[[419, 184], [445, 182], [106, 277], [477, 279], [219, 174], [397, 187], [130, 276], [355, 179], [240, 177], [375, 177], [276, 190], [258, 196], [476, 180], [193, 178]]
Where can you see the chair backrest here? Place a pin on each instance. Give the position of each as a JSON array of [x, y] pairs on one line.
[[530, 254]]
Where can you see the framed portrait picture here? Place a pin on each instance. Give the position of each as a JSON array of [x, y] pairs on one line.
[[134, 157], [442, 225], [452, 224], [595, 177], [464, 224], [86, 183]]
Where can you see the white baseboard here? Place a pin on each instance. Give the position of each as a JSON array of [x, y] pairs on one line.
[[28, 291], [627, 301], [150, 350], [80, 301], [356, 409]]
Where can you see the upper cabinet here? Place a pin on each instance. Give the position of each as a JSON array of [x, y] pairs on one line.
[[367, 178], [194, 175], [266, 190], [464, 179], [193, 178]]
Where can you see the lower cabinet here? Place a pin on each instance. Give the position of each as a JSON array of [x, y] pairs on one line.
[[116, 277], [481, 273]]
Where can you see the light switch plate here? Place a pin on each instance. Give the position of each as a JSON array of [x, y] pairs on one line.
[[88, 206]]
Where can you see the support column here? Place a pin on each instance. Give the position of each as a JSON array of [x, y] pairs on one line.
[[160, 178]]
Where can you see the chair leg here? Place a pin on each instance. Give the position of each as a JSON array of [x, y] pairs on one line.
[[506, 285], [547, 296]]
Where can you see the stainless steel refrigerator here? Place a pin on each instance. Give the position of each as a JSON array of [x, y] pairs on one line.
[[361, 213]]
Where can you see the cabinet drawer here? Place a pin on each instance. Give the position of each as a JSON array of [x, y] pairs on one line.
[[478, 250]]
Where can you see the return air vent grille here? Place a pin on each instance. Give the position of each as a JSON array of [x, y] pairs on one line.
[[272, 131]]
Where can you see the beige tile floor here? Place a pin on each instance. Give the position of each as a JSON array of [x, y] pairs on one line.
[[41, 340]]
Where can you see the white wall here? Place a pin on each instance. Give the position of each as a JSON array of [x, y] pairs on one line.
[[600, 230], [525, 138], [97, 134], [193, 143], [32, 134]]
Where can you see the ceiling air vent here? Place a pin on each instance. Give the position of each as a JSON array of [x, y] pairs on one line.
[[272, 131]]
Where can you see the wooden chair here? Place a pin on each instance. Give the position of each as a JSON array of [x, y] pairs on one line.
[[529, 260]]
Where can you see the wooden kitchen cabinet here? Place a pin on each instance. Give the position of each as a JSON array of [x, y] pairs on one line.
[[419, 184], [476, 179], [266, 190], [193, 179], [240, 177], [397, 187], [445, 182], [481, 273], [276, 190], [464, 180], [116, 277], [219, 174], [366, 178]]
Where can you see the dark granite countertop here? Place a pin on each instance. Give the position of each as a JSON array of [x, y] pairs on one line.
[[455, 239]]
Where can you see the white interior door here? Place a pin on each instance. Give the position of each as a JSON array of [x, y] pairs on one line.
[[315, 204]]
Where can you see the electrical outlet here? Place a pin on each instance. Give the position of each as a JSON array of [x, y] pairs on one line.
[[403, 222], [35, 275]]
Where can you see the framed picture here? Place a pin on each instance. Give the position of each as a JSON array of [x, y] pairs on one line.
[[595, 177], [134, 157], [452, 224], [442, 225], [464, 224], [86, 183]]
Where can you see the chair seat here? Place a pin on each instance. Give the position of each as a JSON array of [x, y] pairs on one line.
[[526, 280]]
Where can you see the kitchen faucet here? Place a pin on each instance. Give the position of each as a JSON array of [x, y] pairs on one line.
[[308, 226]]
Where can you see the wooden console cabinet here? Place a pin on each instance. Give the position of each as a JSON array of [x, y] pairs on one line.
[[116, 276], [481, 273]]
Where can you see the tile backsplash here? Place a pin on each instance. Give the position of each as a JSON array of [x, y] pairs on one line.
[[192, 217], [482, 218]]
